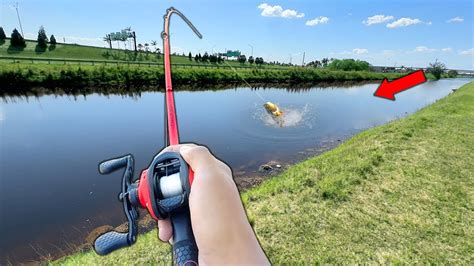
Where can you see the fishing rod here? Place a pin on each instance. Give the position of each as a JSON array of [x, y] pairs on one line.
[[163, 188], [172, 138]]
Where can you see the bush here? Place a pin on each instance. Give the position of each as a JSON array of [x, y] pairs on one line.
[[348, 65], [436, 69], [452, 73], [17, 40], [241, 59], [259, 61]]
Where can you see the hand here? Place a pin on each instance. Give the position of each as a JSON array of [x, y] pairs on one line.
[[220, 225]]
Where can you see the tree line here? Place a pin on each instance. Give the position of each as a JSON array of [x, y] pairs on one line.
[[219, 59], [17, 41]]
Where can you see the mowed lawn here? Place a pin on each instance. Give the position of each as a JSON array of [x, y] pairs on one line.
[[397, 193], [71, 51]]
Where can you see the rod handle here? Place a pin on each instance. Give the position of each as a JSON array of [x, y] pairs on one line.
[[185, 250]]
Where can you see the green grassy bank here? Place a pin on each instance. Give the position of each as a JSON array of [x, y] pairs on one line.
[[397, 193], [20, 78], [82, 52]]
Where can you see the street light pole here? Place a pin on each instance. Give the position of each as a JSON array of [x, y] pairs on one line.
[[19, 21], [252, 49]]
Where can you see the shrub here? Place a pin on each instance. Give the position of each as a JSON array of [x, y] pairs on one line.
[[452, 73], [436, 69], [348, 65]]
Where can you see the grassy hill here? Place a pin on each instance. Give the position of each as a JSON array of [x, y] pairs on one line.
[[73, 51], [397, 193]]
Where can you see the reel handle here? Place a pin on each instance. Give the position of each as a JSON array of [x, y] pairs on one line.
[[109, 166], [111, 241], [185, 250]]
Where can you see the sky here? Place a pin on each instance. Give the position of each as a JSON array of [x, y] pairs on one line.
[[389, 33]]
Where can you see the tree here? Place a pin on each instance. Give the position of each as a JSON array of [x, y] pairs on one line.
[[205, 57], [324, 62], [452, 73], [140, 46], [259, 61], [17, 40], [108, 39], [190, 56], [42, 38], [220, 59], [436, 69], [52, 40], [213, 58], [3, 36], [251, 60], [154, 43], [196, 58], [241, 59]]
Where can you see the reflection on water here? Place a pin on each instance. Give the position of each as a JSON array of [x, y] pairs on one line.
[[52, 195]]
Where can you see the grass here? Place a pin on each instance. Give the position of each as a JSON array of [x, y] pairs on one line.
[[20, 78], [72, 51], [397, 193]]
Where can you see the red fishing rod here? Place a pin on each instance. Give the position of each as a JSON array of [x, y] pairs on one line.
[[163, 188], [170, 114]]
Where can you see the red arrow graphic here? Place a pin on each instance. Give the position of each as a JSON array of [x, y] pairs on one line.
[[388, 89]]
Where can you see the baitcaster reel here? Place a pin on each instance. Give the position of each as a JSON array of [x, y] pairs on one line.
[[163, 189]]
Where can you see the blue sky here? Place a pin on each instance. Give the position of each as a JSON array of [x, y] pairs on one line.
[[411, 33]]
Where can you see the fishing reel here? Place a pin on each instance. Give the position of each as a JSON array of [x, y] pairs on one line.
[[163, 189]]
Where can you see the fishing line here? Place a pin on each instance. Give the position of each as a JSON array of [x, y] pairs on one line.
[[236, 72]]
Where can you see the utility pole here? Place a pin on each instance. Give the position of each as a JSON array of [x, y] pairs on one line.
[[19, 21], [304, 53], [251, 46]]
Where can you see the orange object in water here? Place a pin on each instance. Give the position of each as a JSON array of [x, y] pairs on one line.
[[273, 109]]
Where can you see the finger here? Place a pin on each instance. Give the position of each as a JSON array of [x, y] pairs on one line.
[[176, 148], [196, 156], [165, 230]]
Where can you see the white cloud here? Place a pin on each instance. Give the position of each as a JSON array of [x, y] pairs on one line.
[[467, 52], [447, 50], [377, 19], [316, 21], [360, 51], [388, 53], [277, 11], [423, 49], [404, 22], [355, 51], [455, 20]]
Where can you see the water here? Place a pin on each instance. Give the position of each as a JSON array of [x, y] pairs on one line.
[[52, 195]]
